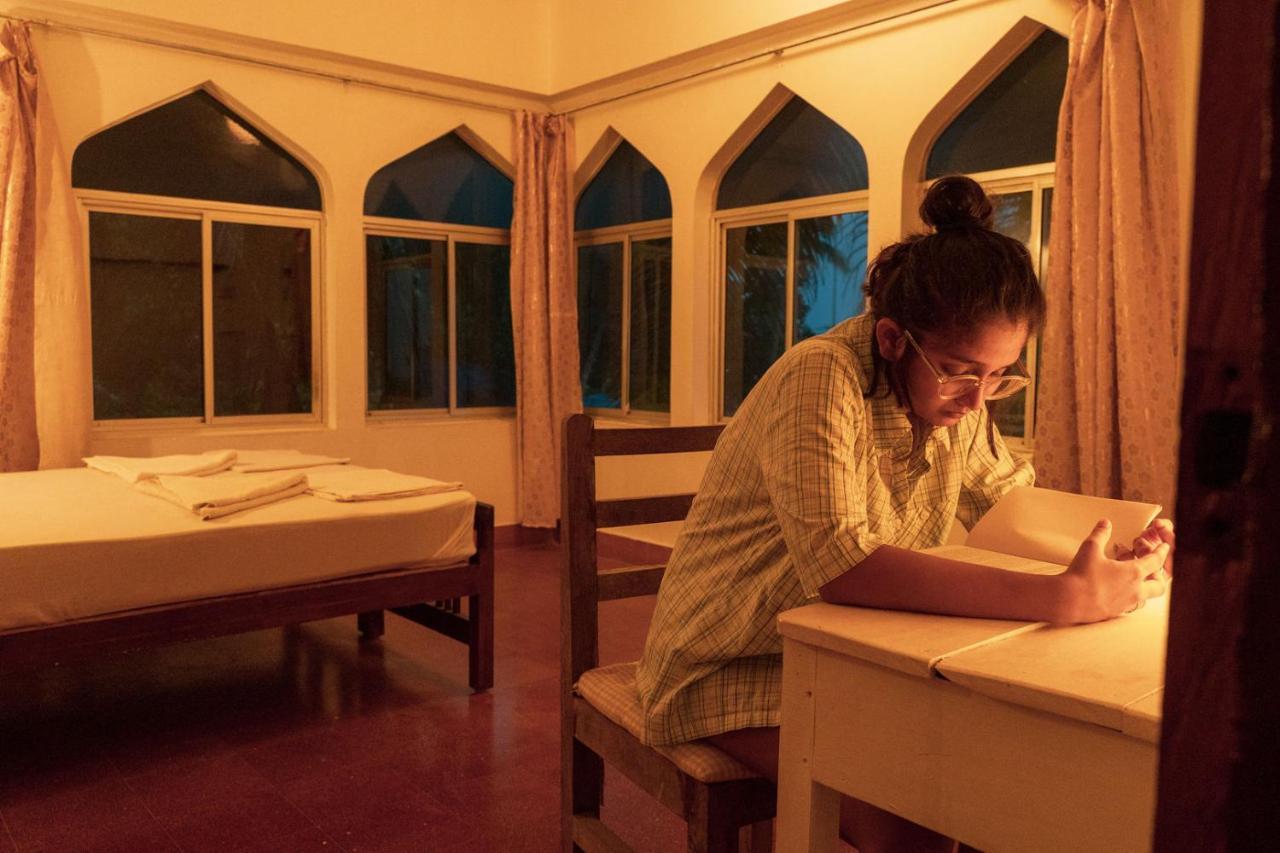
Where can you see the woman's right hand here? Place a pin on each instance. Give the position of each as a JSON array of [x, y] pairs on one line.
[[1096, 587]]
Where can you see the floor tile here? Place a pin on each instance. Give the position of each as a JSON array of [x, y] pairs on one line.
[[305, 739]]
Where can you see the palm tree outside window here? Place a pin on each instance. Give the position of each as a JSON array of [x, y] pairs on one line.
[[791, 212]]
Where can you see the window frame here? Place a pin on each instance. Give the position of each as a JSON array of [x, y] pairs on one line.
[[1034, 178], [451, 234], [768, 214], [626, 234], [207, 212]]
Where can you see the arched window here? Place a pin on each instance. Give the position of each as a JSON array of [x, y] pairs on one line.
[[623, 225], [1005, 139], [792, 217], [437, 283], [202, 268]]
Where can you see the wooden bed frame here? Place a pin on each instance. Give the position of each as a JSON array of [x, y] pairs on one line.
[[429, 596]]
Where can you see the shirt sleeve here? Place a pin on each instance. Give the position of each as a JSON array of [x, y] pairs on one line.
[[987, 475], [813, 467]]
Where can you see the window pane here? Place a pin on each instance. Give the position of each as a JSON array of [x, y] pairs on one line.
[[650, 355], [799, 154], [406, 288], [1013, 215], [1013, 219], [831, 263], [486, 357], [600, 325], [628, 188], [1046, 211], [1013, 121], [261, 319], [443, 181], [148, 339], [1046, 215], [754, 306], [194, 147]]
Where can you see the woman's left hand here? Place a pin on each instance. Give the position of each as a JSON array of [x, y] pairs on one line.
[[1158, 532]]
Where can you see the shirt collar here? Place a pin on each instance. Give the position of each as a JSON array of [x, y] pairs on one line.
[[891, 428]]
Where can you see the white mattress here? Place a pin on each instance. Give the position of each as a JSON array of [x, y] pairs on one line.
[[77, 542]]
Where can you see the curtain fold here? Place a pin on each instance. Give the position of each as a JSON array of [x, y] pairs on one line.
[[19, 445], [64, 375], [1108, 407], [544, 311]]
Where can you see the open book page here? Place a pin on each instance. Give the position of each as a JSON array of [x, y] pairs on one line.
[[1047, 525], [969, 554]]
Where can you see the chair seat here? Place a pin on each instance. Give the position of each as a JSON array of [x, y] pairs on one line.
[[612, 691]]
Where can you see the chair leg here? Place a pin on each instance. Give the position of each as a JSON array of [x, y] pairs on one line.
[[712, 825], [582, 788]]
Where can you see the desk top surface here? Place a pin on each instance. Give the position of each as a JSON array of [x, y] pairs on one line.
[[910, 642], [1109, 674], [1093, 673]]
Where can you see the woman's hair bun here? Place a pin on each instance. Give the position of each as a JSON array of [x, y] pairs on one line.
[[956, 202]]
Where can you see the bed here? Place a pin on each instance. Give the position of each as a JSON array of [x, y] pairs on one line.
[[90, 565]]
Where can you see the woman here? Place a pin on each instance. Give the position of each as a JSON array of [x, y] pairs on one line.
[[855, 450]]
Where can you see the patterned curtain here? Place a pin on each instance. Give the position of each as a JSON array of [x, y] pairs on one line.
[[19, 446], [544, 309], [1109, 400]]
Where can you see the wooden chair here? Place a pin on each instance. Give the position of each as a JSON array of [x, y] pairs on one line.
[[600, 711]]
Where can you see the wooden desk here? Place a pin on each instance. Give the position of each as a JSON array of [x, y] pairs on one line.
[[1007, 736]]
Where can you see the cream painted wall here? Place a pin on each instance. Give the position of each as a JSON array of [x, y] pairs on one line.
[[593, 39], [344, 134], [502, 42], [878, 83]]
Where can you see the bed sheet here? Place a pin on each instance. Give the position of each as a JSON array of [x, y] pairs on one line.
[[77, 542]]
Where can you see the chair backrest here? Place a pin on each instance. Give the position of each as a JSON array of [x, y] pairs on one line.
[[583, 584]]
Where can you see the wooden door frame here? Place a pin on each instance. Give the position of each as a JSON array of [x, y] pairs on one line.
[[1220, 746]]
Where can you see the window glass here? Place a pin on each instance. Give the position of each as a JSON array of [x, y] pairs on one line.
[[754, 307], [408, 324], [1012, 215], [194, 147], [801, 153], [600, 324], [650, 345], [1046, 215], [831, 263], [486, 358], [1013, 219], [1013, 121], [146, 308], [628, 188], [443, 181], [261, 319]]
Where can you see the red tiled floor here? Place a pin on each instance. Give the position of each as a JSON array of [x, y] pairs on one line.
[[303, 739]]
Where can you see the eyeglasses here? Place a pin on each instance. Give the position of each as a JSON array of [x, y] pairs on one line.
[[951, 387]]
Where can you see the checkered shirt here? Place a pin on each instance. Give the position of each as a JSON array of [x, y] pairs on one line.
[[806, 481]]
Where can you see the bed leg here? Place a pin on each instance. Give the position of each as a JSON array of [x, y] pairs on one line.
[[480, 606], [372, 624]]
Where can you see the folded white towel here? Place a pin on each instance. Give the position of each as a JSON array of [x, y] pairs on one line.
[[281, 460], [354, 483], [222, 494], [131, 469]]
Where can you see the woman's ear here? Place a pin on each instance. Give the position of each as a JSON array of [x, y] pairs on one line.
[[890, 339]]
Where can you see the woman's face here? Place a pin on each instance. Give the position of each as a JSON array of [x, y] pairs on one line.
[[986, 352]]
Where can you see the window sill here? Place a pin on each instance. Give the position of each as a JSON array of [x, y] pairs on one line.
[[422, 418], [188, 430]]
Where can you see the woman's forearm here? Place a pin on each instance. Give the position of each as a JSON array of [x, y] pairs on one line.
[[900, 579]]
